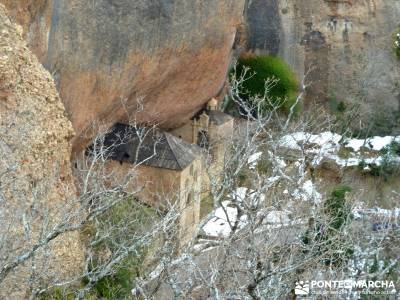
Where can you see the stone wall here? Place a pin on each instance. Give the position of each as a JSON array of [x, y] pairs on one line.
[[191, 184], [185, 132], [220, 137], [162, 187]]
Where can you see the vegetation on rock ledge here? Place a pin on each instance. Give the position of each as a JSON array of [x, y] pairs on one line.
[[283, 90], [327, 236], [397, 43]]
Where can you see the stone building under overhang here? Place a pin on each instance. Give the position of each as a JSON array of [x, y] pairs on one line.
[[210, 129], [168, 169]]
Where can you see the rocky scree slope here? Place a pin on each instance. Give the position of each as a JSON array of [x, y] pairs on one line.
[[35, 172]]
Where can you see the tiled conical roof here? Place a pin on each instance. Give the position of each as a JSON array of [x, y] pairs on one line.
[[150, 147]]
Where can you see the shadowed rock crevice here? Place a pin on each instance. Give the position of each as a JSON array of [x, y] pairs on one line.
[[264, 25]]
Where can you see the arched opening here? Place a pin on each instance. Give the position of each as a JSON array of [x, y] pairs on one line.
[[189, 198], [191, 170], [203, 139]]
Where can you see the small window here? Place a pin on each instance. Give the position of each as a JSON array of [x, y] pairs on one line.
[[191, 170], [203, 139], [189, 198]]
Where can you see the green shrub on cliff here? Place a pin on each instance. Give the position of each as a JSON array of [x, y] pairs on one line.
[[326, 237], [263, 68], [337, 208], [397, 43]]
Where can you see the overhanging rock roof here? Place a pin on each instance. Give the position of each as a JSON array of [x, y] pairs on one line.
[[150, 147]]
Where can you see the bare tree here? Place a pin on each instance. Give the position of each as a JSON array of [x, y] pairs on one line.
[[278, 228], [107, 239], [278, 231]]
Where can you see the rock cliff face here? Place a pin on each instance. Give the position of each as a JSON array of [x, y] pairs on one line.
[[36, 182], [172, 56], [106, 56], [347, 43]]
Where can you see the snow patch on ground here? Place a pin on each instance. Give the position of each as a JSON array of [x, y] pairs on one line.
[[325, 147], [349, 162], [221, 224], [249, 196], [322, 147], [225, 217], [307, 192], [239, 194], [278, 217], [298, 140], [253, 159], [376, 143], [359, 211], [331, 141], [205, 245]]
